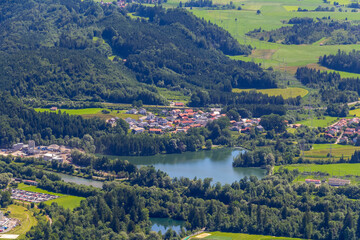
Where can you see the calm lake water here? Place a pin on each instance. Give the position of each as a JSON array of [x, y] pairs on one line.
[[163, 224], [215, 164]]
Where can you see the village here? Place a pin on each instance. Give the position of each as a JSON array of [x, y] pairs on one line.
[[346, 131], [181, 120]]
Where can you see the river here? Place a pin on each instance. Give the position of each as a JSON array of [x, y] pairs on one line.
[[79, 180], [215, 164]]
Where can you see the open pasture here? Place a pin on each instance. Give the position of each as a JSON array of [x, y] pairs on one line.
[[319, 122], [94, 112], [238, 236], [284, 92], [321, 151], [340, 169]]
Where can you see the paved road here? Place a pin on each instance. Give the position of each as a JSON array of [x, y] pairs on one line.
[[338, 140]]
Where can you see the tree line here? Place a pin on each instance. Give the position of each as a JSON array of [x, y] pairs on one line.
[[310, 31]]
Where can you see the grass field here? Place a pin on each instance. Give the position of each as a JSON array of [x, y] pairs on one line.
[[94, 112], [341, 169], [174, 96], [320, 151], [319, 122], [67, 201], [240, 236], [26, 218], [355, 112], [284, 92]]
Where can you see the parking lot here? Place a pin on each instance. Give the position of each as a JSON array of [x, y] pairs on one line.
[[31, 196]]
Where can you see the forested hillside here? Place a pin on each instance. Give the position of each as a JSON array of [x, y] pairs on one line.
[[59, 50], [333, 88], [308, 31], [342, 61]]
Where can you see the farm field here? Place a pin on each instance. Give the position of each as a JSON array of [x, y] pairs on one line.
[[320, 151], [239, 236], [318, 122], [26, 218], [67, 201], [284, 92], [339, 170], [94, 112]]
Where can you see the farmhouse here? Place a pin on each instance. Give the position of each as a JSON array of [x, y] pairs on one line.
[[31, 182], [338, 182], [315, 181]]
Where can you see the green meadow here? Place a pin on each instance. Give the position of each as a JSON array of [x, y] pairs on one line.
[[94, 112], [319, 122], [321, 151], [339, 170], [67, 201], [284, 92], [240, 236], [273, 13]]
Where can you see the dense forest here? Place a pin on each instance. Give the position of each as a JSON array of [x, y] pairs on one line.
[[342, 61], [333, 88], [58, 50], [270, 206], [308, 31]]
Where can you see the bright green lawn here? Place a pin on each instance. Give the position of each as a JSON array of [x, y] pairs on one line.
[[240, 236], [26, 218], [284, 92], [67, 201], [94, 112], [319, 122]]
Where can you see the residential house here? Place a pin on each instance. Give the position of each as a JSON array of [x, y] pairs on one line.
[[335, 182], [138, 130], [155, 130], [132, 111], [142, 111]]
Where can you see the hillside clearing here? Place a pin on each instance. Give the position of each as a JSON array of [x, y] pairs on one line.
[[284, 92]]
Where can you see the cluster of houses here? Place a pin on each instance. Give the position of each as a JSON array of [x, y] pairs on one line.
[[344, 125], [181, 120], [335, 182]]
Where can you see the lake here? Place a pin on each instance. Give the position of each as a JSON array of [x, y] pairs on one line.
[[163, 224], [215, 164]]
